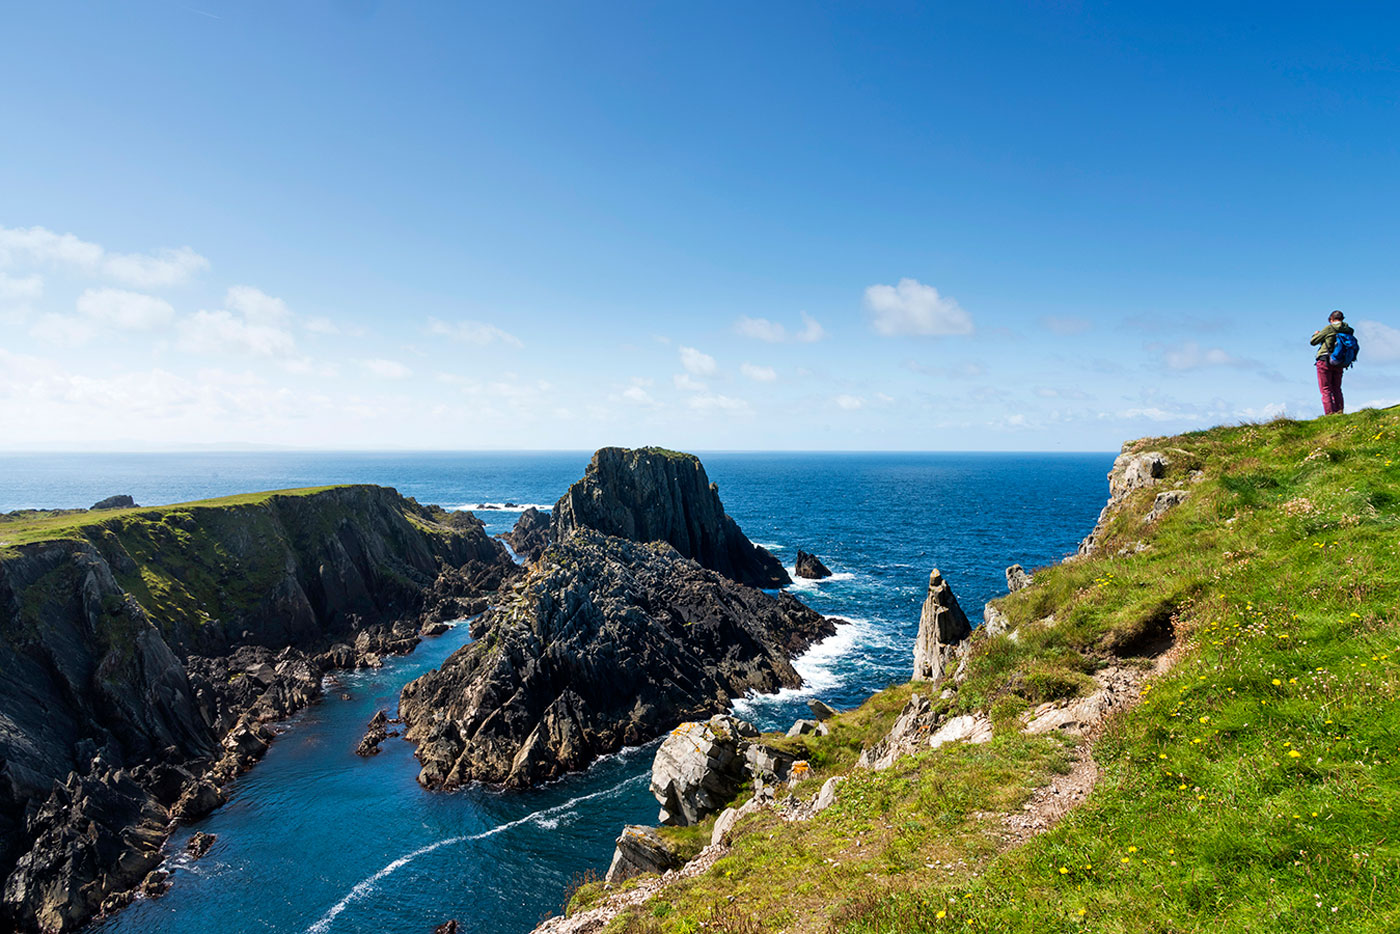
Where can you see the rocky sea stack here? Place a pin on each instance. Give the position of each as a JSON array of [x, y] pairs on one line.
[[655, 495], [615, 636]]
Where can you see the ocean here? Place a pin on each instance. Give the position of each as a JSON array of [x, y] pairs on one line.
[[318, 840]]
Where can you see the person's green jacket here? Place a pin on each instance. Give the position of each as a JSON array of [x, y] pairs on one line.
[[1327, 337]]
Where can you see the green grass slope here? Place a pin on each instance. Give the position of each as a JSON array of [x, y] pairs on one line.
[[1255, 786]]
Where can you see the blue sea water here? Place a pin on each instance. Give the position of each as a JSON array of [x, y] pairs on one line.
[[316, 839]]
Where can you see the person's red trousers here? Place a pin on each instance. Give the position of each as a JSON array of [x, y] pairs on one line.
[[1329, 380]]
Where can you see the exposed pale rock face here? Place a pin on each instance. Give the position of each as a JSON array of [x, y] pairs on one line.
[[640, 850], [971, 728], [608, 643], [943, 630], [1017, 578], [1134, 471], [699, 767], [810, 566], [1165, 502], [994, 621], [1129, 472], [653, 495]]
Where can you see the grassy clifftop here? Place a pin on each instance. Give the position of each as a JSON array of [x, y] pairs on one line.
[[1254, 785]]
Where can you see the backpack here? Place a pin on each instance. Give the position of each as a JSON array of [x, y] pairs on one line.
[[1344, 350]]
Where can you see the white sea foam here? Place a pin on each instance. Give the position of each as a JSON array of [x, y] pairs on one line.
[[547, 818], [770, 547], [500, 507], [809, 585], [819, 665]]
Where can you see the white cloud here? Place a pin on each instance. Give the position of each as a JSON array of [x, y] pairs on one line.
[[321, 325], [472, 332], [387, 369], [1380, 343], [20, 288], [759, 374], [761, 329], [688, 383], [914, 308], [712, 402], [62, 329], [638, 395], [150, 271], [775, 333], [256, 305], [696, 362], [38, 246], [1192, 356], [127, 311], [221, 332], [849, 403]]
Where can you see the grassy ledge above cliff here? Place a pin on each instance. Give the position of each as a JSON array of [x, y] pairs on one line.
[[1254, 786]]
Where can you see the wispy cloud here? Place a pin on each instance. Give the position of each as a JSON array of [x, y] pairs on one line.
[[1065, 324], [777, 333], [1380, 343], [912, 308], [251, 322], [386, 369], [697, 362], [39, 246], [759, 374], [473, 332]]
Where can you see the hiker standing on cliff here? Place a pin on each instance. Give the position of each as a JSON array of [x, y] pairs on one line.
[[1336, 350]]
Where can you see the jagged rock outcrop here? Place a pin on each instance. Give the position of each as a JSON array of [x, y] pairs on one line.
[[640, 850], [151, 650], [1017, 578], [1130, 472], [821, 710], [943, 631], [199, 844], [994, 621], [376, 733], [94, 838], [607, 643], [121, 501], [699, 768], [810, 566], [531, 535], [1164, 502], [654, 495]]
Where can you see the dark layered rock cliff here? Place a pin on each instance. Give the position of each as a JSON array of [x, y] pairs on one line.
[[655, 495], [531, 535], [144, 653], [607, 643]]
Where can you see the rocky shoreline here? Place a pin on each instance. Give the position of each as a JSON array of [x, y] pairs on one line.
[[147, 655]]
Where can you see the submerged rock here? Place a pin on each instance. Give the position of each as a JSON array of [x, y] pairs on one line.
[[199, 844], [607, 643], [655, 495], [943, 631], [810, 566]]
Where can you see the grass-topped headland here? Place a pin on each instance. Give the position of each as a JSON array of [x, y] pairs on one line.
[[1254, 785], [37, 525]]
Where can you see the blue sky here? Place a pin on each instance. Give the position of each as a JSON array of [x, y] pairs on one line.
[[1033, 226]]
